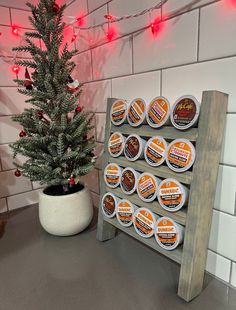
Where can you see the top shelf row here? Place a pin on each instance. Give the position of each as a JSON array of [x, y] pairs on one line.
[[182, 115]]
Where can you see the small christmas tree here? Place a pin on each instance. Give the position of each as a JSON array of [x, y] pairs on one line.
[[54, 134]]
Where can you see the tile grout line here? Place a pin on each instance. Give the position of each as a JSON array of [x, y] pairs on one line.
[[231, 260], [160, 82], [231, 271], [198, 33], [132, 54]]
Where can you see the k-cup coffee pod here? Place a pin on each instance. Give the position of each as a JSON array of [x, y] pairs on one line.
[[147, 186], [109, 204], [180, 155], [185, 112], [134, 147], [118, 112], [116, 144], [125, 212], [112, 175], [129, 179], [168, 233], [155, 151], [172, 195], [158, 112], [136, 112], [144, 222]]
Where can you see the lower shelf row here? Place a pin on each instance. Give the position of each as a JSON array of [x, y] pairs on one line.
[[168, 234]]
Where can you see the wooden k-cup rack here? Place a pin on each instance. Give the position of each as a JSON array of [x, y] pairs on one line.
[[196, 218]]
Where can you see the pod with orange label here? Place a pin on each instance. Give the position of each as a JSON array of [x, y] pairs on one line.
[[134, 147], [155, 151], [158, 112], [109, 204], [144, 222], [168, 233], [136, 112], [172, 195], [185, 112], [116, 144], [180, 155], [125, 212], [147, 187], [112, 175], [129, 180], [118, 112]]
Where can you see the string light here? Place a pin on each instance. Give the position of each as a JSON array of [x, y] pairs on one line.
[[15, 30], [16, 69], [73, 38], [108, 17], [110, 34]]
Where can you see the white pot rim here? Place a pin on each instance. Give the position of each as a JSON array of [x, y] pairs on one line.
[[41, 192]]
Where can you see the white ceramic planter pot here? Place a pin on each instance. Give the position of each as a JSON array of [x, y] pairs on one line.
[[65, 215]]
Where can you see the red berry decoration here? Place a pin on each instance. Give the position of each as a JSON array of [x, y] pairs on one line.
[[72, 181], [78, 109], [22, 134], [40, 114], [55, 8], [17, 173]]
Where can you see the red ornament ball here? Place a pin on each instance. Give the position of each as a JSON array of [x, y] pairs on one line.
[[40, 114], [78, 109], [55, 8], [72, 181], [22, 134], [17, 173]]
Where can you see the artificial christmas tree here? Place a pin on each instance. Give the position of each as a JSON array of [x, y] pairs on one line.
[[53, 142]]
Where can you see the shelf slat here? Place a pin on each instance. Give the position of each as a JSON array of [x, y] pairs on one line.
[[161, 171], [165, 132], [179, 217], [175, 255]]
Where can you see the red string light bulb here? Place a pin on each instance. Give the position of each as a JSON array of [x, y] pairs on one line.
[[73, 38], [16, 69], [110, 34], [16, 30], [108, 16]]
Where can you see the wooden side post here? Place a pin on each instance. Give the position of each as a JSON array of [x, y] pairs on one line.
[[202, 193], [105, 231]]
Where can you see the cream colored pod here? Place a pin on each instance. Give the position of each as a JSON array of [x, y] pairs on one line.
[[125, 212], [185, 112], [172, 195], [134, 147], [180, 155], [118, 112], [155, 151], [112, 175], [147, 187], [144, 222], [158, 112], [116, 144], [109, 204], [129, 180], [168, 233], [136, 113]]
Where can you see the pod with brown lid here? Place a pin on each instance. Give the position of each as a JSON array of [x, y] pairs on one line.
[[185, 112], [136, 114], [129, 180], [116, 144], [134, 147], [180, 155], [118, 112], [155, 151], [144, 222], [112, 175], [109, 204], [158, 112]]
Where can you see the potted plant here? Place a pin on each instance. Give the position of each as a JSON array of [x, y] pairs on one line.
[[55, 130]]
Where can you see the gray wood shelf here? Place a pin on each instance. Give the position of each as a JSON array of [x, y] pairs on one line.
[[208, 138]]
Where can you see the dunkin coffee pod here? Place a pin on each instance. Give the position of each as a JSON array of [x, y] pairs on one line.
[[180, 155], [112, 175], [185, 112], [125, 212], [168, 233], [118, 112], [136, 112], [134, 147], [129, 179], [109, 204], [155, 151], [144, 222], [158, 112], [172, 195], [116, 144], [147, 186]]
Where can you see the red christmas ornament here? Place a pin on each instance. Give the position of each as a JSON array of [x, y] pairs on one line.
[[78, 109], [40, 114], [73, 38], [17, 173], [28, 82], [55, 7], [22, 134], [72, 181], [16, 69]]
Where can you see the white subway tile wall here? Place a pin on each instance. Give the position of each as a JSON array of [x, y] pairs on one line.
[[193, 52]]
